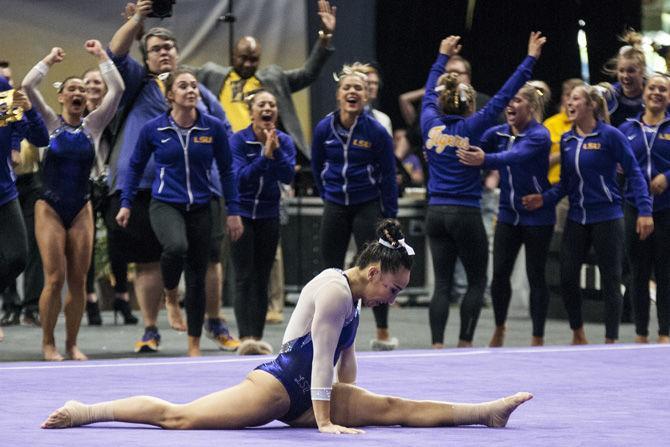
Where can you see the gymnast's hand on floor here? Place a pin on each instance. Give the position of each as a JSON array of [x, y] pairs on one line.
[[338, 429]]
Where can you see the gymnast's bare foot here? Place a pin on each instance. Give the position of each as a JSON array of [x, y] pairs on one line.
[[464, 344], [664, 339], [537, 341], [500, 410], [73, 353], [498, 337], [579, 337], [174, 315], [62, 418], [641, 339], [51, 354]]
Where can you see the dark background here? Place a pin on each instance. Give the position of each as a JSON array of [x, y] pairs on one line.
[[403, 37]]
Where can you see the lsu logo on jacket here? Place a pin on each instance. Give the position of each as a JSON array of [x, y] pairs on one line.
[[204, 139]]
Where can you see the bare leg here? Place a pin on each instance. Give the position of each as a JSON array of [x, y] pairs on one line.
[[175, 317], [257, 400], [352, 406], [149, 289], [50, 236], [78, 249], [498, 337]]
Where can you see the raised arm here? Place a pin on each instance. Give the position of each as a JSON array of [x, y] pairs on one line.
[[32, 80], [125, 35], [406, 102], [98, 119], [430, 108], [302, 77], [487, 117]]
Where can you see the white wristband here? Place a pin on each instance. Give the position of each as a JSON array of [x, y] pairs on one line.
[[320, 393]]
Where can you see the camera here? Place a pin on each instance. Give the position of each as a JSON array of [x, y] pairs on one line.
[[162, 8]]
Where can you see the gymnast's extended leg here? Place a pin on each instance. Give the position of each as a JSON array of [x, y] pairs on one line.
[[352, 406], [257, 400]]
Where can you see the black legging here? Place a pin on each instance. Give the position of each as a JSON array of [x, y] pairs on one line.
[[184, 236], [607, 240], [253, 255], [506, 244], [456, 232], [337, 225], [13, 243], [645, 257]]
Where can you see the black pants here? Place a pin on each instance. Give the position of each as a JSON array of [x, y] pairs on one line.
[[456, 232], [607, 240], [184, 235], [13, 243], [337, 225], [646, 257], [506, 244], [33, 275], [253, 255]]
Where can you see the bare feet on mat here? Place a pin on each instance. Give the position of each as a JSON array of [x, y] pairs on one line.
[[464, 344], [610, 341], [2, 335], [175, 318], [498, 337], [664, 339], [62, 418], [537, 341], [641, 339], [437, 346], [579, 337], [501, 409], [73, 353], [51, 354]]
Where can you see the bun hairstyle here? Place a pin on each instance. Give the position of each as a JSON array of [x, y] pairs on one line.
[[632, 50], [390, 250], [538, 95], [357, 69], [599, 95], [456, 98]]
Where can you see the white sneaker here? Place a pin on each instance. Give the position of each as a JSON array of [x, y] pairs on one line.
[[384, 345]]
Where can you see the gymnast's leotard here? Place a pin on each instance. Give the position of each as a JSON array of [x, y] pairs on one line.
[[293, 365], [66, 167]]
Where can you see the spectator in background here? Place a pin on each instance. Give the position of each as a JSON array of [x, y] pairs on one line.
[[374, 85], [412, 169], [26, 164], [557, 125], [354, 171], [589, 156], [519, 150], [18, 120], [263, 158], [649, 136], [184, 143], [454, 221], [144, 100], [63, 213]]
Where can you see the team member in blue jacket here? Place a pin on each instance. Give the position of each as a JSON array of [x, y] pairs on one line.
[[520, 151], [183, 143], [354, 172], [649, 136], [454, 222], [589, 156], [262, 158], [629, 66], [13, 128], [144, 100]]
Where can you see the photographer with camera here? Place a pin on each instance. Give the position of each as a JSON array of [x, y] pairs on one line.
[[144, 100]]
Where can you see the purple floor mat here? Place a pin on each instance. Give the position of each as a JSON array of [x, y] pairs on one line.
[[593, 396]]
